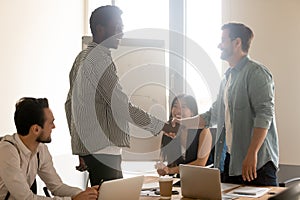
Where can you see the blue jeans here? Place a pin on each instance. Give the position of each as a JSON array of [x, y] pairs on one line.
[[266, 175]]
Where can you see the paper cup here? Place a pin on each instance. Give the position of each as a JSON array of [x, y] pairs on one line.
[[165, 187]]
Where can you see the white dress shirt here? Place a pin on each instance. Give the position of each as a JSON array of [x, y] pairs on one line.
[[19, 167]]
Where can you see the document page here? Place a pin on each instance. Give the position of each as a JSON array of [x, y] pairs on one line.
[[248, 191]]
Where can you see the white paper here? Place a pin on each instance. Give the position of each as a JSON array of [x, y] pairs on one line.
[[228, 186], [149, 193], [248, 191]]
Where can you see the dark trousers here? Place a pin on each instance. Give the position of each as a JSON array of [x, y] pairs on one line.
[[103, 166], [266, 175]]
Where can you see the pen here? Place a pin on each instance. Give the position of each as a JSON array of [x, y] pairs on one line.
[[100, 184], [245, 193]]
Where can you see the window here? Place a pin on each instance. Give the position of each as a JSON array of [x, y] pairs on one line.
[[198, 24], [138, 14], [203, 26]]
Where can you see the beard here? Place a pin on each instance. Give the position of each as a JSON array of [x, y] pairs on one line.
[[226, 53], [111, 41], [43, 139]]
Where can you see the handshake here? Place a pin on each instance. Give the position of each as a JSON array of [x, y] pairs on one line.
[[171, 128]]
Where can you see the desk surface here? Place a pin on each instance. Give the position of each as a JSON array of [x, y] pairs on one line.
[[273, 191]]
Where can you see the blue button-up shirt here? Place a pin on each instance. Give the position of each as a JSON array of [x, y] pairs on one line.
[[251, 105]]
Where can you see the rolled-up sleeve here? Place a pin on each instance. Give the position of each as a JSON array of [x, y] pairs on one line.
[[261, 91]]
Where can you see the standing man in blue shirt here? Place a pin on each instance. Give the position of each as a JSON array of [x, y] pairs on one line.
[[244, 114]]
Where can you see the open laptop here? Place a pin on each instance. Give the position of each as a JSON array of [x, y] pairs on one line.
[[200, 182], [125, 189]]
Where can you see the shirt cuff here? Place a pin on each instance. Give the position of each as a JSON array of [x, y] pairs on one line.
[[262, 123], [156, 126], [206, 119]]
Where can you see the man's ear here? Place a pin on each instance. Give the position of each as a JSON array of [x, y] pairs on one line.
[[238, 42], [100, 29], [35, 129]]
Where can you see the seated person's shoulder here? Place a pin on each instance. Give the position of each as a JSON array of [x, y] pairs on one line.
[[43, 148], [8, 153], [7, 143]]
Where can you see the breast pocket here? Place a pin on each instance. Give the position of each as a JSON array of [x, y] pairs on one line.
[[240, 99]]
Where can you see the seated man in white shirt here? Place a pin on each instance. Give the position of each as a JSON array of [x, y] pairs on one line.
[[24, 155]]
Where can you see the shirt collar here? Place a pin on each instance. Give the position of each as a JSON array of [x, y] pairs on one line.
[[21, 146], [92, 44], [103, 48], [238, 67]]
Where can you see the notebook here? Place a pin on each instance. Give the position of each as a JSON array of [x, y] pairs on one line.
[[125, 189], [200, 182]]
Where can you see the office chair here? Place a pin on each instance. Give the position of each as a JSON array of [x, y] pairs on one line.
[[292, 193], [289, 182]]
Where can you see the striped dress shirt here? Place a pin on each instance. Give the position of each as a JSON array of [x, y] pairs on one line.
[[97, 110]]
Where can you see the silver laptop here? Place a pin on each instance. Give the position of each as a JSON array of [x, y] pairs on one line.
[[200, 182], [125, 189]]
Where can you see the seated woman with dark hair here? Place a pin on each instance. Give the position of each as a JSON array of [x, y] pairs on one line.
[[189, 146]]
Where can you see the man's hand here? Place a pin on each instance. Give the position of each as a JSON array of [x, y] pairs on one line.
[[176, 121], [161, 169], [250, 161], [82, 166], [190, 122], [249, 167], [163, 172], [171, 135], [169, 128], [88, 194]]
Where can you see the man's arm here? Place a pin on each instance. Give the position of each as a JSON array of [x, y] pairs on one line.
[[54, 183], [106, 84], [11, 174], [250, 162], [190, 122], [261, 94], [50, 177]]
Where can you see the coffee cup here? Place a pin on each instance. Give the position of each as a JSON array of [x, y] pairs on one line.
[[165, 187]]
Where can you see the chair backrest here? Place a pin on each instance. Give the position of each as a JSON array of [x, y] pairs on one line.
[[291, 193]]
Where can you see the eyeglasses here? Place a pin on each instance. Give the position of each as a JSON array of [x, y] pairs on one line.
[[226, 39]]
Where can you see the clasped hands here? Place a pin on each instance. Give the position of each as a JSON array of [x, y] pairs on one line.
[[171, 128]]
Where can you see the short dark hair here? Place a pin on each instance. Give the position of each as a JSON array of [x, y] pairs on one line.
[[103, 15], [29, 111], [190, 101], [238, 30]]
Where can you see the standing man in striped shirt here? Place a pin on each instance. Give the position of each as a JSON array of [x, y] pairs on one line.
[[98, 111]]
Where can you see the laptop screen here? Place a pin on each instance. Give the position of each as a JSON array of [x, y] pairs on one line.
[[125, 189]]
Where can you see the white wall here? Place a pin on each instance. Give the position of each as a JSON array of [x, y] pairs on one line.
[[276, 44], [39, 41]]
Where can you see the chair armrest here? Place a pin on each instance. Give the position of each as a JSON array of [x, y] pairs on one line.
[[285, 183]]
